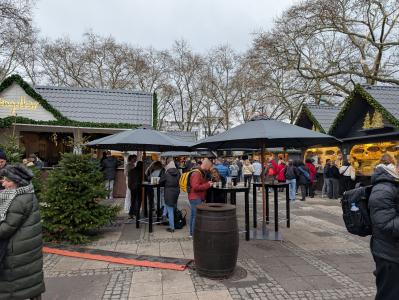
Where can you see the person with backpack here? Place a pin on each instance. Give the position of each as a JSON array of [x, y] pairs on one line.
[[384, 213], [198, 186], [170, 181], [291, 174], [312, 173], [303, 178], [348, 176]]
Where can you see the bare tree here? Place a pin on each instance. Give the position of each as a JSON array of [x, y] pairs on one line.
[[15, 29], [184, 71], [222, 86], [333, 44]]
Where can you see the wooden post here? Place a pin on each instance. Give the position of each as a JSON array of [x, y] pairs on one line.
[[262, 180]]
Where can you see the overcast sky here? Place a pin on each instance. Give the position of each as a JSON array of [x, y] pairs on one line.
[[157, 23]]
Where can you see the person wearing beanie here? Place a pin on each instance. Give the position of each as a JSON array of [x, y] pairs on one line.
[[21, 268], [3, 163]]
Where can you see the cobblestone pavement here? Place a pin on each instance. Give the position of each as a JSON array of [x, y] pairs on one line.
[[317, 259]]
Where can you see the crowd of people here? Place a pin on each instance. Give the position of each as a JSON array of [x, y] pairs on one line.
[[21, 259], [299, 175]]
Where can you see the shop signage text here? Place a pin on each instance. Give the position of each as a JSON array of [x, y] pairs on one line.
[[15, 105]]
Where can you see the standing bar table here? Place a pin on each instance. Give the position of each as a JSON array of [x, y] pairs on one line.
[[233, 197], [275, 187], [145, 186]]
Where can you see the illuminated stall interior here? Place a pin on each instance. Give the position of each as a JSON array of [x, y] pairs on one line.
[[367, 124], [364, 157], [320, 155]]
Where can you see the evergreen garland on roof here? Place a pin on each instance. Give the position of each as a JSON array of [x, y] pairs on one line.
[[155, 111], [312, 118], [359, 90], [60, 119]]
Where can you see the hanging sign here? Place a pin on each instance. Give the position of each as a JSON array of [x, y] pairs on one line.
[[15, 105]]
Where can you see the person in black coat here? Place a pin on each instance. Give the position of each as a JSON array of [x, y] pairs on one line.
[[384, 212], [302, 180], [134, 180], [170, 180], [333, 174]]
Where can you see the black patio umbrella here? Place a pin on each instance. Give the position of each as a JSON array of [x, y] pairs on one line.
[[260, 133], [141, 139], [265, 133], [198, 153]]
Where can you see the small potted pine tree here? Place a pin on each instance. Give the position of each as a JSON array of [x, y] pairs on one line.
[[71, 207]]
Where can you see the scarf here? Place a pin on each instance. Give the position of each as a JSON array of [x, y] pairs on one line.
[[390, 169], [7, 196]]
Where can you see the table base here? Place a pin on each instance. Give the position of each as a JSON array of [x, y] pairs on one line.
[[265, 235]]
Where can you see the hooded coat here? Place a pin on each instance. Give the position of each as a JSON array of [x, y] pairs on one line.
[[21, 273], [384, 212], [170, 180]]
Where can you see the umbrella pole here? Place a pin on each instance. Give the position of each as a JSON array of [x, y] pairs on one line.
[[262, 178], [142, 176]]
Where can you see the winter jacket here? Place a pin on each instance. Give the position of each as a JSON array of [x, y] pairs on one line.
[[223, 170], [384, 212], [326, 171], [198, 186], [170, 180], [134, 178], [348, 171], [312, 171], [291, 172], [247, 169], [109, 166], [21, 275], [280, 172], [257, 166], [301, 179], [332, 172], [234, 169]]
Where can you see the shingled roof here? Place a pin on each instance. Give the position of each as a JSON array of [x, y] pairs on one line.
[[387, 96], [99, 105], [325, 115]]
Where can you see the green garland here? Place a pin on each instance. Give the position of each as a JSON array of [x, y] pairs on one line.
[[312, 118], [359, 90], [60, 119], [154, 111]]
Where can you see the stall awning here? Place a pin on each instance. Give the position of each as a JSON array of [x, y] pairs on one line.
[[373, 138], [59, 128]]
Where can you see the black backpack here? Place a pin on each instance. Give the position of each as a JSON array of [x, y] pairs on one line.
[[180, 219], [357, 222]]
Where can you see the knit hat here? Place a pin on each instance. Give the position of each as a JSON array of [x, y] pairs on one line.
[[3, 155], [18, 174]]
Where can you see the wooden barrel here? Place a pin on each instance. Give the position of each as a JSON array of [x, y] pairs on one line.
[[215, 240]]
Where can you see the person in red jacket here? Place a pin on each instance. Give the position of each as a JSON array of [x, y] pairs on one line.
[[280, 173], [198, 187], [312, 174]]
